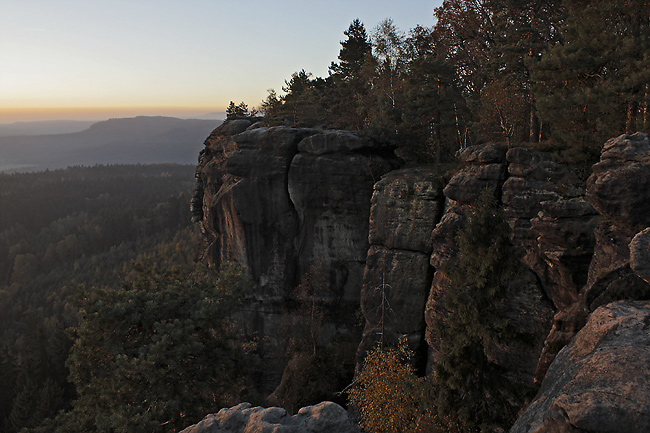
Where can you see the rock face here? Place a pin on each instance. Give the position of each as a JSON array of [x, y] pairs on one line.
[[514, 178], [325, 417], [619, 189], [405, 207], [283, 202], [601, 381]]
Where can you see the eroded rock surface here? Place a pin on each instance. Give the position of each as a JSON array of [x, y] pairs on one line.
[[325, 417], [601, 381], [406, 206], [619, 187], [282, 201], [640, 254], [493, 168], [285, 202]]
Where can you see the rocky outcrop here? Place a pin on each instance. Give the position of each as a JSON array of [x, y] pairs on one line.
[[601, 381], [640, 254], [612, 243], [619, 188], [513, 177], [405, 207], [325, 417], [283, 202]]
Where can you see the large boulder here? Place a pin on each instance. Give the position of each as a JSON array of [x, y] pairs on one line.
[[619, 186], [619, 189], [325, 417], [601, 381], [484, 168], [640, 254]]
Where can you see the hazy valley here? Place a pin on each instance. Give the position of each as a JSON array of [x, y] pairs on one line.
[[138, 140]]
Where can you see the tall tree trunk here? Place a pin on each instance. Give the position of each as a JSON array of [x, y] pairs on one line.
[[533, 136], [630, 122], [461, 142], [438, 138], [646, 125]]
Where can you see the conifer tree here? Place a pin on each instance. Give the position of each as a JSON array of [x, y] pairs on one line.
[[429, 121], [303, 104], [157, 354], [470, 388], [353, 53], [523, 30], [350, 84], [591, 86], [233, 110]]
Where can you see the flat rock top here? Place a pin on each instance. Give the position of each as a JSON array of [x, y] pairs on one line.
[[483, 153]]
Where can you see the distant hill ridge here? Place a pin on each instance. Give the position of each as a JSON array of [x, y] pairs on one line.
[[142, 139], [44, 127]]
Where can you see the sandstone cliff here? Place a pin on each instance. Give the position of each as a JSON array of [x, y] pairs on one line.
[[283, 200]]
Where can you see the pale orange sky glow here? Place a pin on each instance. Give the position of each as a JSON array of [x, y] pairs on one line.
[[27, 114], [81, 60]]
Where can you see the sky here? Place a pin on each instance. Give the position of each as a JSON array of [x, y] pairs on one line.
[[96, 59]]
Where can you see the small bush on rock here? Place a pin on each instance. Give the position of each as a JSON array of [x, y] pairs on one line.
[[390, 398]]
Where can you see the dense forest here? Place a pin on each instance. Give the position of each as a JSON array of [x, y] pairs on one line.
[[564, 75], [65, 231]]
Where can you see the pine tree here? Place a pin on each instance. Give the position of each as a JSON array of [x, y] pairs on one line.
[[429, 122], [233, 111], [523, 30], [591, 86], [303, 104], [348, 79], [352, 54], [470, 388], [157, 354]]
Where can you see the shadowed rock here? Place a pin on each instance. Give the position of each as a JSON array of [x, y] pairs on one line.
[[283, 201], [640, 254], [619, 187], [601, 381], [406, 206]]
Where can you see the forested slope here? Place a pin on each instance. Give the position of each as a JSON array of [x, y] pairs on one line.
[[63, 229]]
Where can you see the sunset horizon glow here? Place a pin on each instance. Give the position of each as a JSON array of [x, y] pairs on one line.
[[39, 114], [79, 60]]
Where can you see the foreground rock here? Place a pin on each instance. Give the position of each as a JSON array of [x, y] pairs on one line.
[[325, 417], [601, 381]]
